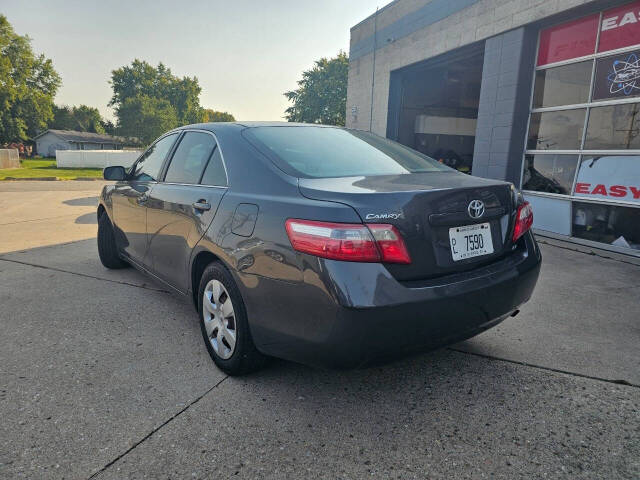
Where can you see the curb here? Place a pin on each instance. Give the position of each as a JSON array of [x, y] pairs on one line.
[[32, 179], [51, 179]]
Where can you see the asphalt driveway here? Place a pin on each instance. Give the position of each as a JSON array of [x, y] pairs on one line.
[[104, 374]]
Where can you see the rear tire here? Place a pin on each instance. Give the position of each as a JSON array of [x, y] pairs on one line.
[[224, 324], [107, 249]]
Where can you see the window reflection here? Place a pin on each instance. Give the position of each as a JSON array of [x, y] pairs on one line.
[[563, 85], [549, 173], [559, 130], [614, 127]]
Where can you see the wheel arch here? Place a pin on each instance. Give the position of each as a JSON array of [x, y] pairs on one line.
[[198, 265]]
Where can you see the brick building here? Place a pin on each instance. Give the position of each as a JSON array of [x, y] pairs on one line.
[[545, 94]]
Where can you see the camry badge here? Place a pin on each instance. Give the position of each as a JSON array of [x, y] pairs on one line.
[[384, 216], [476, 208]]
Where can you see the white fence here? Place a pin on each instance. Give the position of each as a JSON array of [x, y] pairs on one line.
[[9, 158], [95, 158]]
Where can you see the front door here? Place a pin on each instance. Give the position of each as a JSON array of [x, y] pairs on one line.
[[130, 200], [181, 208]]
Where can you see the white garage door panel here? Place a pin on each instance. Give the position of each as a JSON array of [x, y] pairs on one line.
[[551, 214]]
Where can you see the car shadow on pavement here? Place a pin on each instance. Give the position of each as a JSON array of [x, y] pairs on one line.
[[82, 202], [87, 219]]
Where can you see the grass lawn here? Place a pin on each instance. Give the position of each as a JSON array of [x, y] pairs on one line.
[[44, 167]]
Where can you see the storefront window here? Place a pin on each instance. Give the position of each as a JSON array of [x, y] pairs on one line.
[[614, 127], [550, 173], [610, 224], [593, 170], [563, 85], [557, 130]]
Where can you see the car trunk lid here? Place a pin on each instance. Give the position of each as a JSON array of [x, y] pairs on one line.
[[424, 206]]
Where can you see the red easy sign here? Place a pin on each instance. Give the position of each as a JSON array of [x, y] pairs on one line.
[[625, 192], [620, 27]]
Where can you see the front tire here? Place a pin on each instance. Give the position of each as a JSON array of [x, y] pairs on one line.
[[224, 324], [107, 249]]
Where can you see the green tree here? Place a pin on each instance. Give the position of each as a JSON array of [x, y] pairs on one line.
[[88, 119], [62, 118], [140, 79], [28, 84], [109, 127], [146, 118], [321, 96], [209, 115], [81, 118]]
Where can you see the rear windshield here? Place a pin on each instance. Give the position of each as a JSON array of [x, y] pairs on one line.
[[324, 152]]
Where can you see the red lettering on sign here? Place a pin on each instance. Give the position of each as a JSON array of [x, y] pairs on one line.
[[635, 191], [582, 187], [618, 191], [599, 190]]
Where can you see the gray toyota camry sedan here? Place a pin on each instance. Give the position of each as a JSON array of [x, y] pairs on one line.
[[322, 245]]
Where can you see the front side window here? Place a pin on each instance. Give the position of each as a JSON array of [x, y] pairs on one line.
[[325, 152], [190, 158], [148, 166]]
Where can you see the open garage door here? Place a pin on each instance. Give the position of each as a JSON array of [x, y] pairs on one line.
[[433, 105]]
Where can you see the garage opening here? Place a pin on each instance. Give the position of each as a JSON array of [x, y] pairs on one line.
[[433, 106]]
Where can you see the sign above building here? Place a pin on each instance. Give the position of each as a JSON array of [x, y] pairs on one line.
[[573, 39], [619, 28]]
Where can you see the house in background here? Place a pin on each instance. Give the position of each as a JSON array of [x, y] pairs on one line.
[[51, 140]]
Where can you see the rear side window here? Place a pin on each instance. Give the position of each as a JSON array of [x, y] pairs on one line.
[[321, 152], [215, 173], [148, 166], [190, 158]]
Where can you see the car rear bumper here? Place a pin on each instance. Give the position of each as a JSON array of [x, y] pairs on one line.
[[352, 314]]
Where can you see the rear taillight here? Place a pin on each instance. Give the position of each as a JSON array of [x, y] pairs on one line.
[[524, 220], [351, 242]]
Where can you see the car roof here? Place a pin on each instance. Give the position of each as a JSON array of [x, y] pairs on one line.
[[213, 126]]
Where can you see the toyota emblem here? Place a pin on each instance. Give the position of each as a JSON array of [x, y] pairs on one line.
[[476, 208]]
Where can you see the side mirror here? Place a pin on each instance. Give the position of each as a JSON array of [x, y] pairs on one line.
[[114, 173]]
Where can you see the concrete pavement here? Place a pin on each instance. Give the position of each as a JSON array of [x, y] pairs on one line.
[[34, 214], [104, 374]]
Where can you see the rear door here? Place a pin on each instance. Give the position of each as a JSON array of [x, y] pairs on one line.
[[181, 207], [130, 200]]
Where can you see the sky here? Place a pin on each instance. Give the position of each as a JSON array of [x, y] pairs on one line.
[[245, 53]]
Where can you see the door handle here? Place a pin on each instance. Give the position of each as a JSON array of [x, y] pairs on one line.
[[202, 205]]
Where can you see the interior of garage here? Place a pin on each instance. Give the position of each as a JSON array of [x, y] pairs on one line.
[[433, 105]]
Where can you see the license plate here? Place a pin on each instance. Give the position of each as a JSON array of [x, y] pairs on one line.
[[470, 241]]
